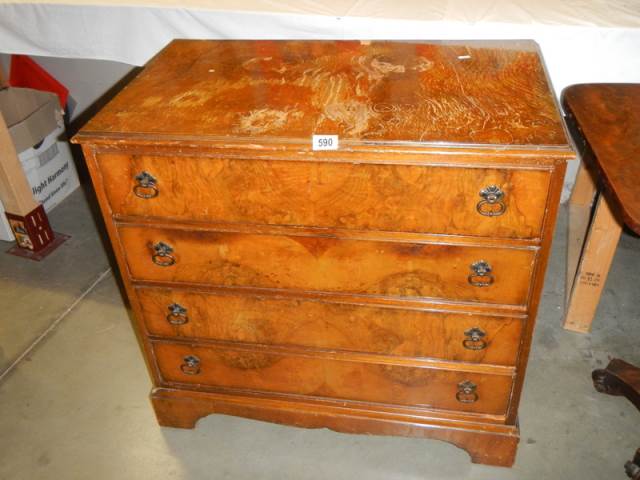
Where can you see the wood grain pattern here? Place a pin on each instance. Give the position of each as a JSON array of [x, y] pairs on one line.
[[608, 117], [486, 443], [329, 264], [606, 120], [593, 267], [15, 193], [435, 199], [327, 289], [319, 324], [580, 212], [309, 375], [378, 91]]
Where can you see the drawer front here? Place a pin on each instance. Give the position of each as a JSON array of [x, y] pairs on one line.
[[424, 199], [336, 378], [328, 264], [335, 326]]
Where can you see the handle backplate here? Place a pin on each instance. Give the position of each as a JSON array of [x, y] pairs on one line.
[[475, 339], [190, 365], [177, 314], [481, 276], [146, 185], [162, 254], [467, 392], [491, 204]]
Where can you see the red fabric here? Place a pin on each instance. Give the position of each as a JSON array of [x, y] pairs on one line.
[[26, 73]]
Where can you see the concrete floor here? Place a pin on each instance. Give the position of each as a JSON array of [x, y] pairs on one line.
[[75, 405]]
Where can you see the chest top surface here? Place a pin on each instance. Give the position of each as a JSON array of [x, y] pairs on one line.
[[378, 92]]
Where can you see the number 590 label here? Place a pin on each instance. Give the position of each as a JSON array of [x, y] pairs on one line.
[[325, 142]]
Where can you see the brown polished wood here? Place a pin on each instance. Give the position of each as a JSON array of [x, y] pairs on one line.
[[606, 124], [620, 378], [607, 116], [388, 287], [297, 262], [374, 91], [323, 374], [320, 324], [486, 443], [341, 195]]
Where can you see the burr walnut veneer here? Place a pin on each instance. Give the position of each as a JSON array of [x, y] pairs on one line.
[[387, 286]]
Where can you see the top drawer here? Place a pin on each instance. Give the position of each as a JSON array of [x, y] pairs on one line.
[[406, 198]]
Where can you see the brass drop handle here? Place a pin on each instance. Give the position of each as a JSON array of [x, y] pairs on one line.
[[475, 339], [162, 254], [467, 392], [481, 276], [177, 314], [146, 185], [191, 365], [491, 204]]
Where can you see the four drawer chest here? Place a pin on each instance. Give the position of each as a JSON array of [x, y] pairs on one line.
[[340, 234]]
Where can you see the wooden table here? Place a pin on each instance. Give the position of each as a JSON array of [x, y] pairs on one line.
[[606, 195]]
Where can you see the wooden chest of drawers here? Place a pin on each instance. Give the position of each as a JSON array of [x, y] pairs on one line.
[[388, 285]]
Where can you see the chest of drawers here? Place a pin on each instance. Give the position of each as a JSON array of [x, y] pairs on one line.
[[388, 285]]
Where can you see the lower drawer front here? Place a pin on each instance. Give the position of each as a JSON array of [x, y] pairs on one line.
[[320, 324], [249, 369], [329, 264]]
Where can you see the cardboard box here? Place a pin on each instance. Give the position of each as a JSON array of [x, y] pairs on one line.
[[35, 124]]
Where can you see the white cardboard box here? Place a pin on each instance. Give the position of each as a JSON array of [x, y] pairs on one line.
[[50, 172]]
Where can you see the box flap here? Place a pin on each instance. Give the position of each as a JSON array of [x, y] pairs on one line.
[[30, 115]]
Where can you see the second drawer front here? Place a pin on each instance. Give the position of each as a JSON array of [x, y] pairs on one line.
[[318, 324], [427, 199], [329, 264], [335, 378]]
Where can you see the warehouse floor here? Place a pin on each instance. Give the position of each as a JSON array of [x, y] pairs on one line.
[[73, 395]]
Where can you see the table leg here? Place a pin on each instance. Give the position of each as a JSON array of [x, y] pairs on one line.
[[593, 268], [580, 205]]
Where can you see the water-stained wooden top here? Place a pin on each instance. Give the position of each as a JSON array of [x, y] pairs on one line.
[[389, 92], [608, 116]]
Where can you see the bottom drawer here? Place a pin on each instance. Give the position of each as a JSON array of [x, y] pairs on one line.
[[335, 377]]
